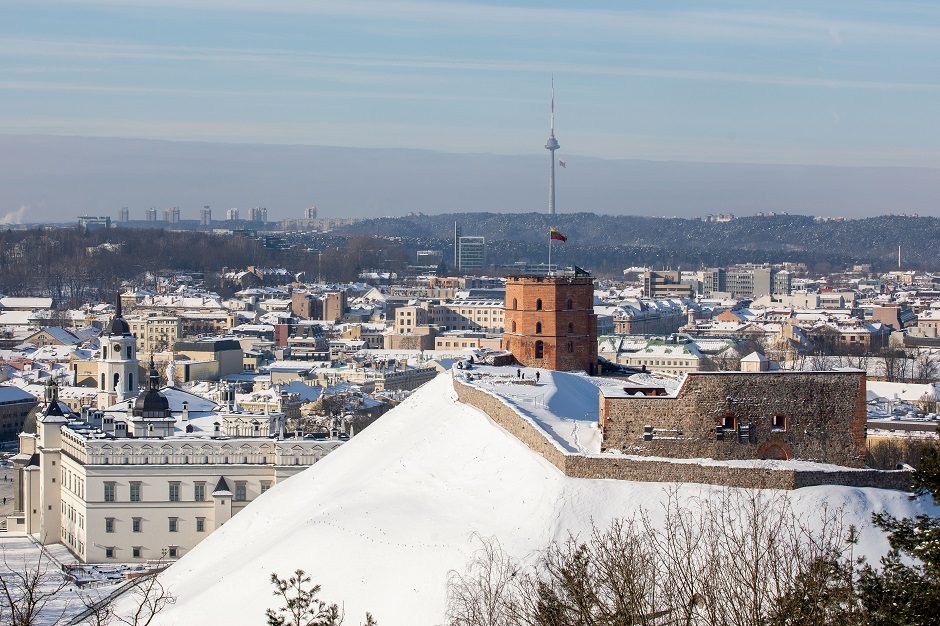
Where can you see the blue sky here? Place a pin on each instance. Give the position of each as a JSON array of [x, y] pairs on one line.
[[839, 83]]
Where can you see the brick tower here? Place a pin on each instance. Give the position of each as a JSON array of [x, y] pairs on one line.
[[550, 322]]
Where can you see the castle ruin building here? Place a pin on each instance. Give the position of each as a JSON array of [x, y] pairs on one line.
[[810, 416]]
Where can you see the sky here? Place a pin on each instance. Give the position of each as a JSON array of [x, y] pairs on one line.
[[837, 83]]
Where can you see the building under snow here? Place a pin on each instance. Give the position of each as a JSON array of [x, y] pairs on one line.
[[147, 477]]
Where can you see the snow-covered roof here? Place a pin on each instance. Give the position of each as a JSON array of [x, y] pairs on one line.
[[17, 302]]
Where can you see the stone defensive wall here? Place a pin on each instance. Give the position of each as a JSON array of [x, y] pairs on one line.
[[657, 469], [771, 415]]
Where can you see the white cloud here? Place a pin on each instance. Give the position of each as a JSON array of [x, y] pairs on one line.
[[724, 26], [278, 59]]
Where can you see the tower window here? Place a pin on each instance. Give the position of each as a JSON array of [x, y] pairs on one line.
[[539, 349], [512, 326], [570, 304], [570, 328], [538, 328], [130, 351], [570, 346], [104, 352], [538, 304], [515, 303]]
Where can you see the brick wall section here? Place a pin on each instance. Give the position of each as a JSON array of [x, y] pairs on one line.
[[622, 468], [824, 415]]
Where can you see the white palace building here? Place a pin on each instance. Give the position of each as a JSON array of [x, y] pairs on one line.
[[147, 478]]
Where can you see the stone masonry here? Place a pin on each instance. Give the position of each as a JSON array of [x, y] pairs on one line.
[[811, 416], [621, 467]]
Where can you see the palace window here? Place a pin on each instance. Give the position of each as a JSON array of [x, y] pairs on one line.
[[174, 492], [109, 492], [173, 552], [136, 552], [200, 524], [241, 491], [174, 524], [136, 524], [109, 553], [109, 524], [199, 492], [135, 491]]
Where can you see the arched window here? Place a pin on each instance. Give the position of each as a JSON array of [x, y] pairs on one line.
[[570, 304], [102, 381], [539, 349], [130, 382], [515, 304], [570, 346], [538, 304], [512, 326], [570, 328], [104, 352], [130, 352], [538, 328], [117, 381]]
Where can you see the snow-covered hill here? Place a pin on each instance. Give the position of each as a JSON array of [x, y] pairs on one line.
[[381, 521]]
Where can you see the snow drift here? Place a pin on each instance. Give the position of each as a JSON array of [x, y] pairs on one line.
[[379, 522]]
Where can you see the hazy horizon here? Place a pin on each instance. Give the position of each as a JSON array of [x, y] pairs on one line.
[[54, 179]]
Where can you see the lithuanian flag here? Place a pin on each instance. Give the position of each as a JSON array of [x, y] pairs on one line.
[[555, 235]]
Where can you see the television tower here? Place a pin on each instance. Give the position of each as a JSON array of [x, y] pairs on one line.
[[551, 145]]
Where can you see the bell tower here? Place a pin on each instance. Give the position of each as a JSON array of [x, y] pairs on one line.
[[549, 321], [118, 365]]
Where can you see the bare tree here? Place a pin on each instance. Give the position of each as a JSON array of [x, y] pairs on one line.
[[27, 590], [724, 559], [893, 364], [926, 368], [483, 594], [148, 598]]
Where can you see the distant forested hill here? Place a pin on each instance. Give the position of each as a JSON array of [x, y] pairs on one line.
[[606, 242]]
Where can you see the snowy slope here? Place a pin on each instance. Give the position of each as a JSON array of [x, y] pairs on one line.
[[563, 404], [379, 522]]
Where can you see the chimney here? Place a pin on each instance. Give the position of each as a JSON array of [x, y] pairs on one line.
[[185, 411]]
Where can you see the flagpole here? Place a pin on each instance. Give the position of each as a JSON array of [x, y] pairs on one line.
[[549, 253]]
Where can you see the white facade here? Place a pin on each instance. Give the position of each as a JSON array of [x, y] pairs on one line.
[[135, 499], [117, 371]]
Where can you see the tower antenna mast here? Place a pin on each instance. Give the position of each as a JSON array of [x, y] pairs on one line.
[[551, 145]]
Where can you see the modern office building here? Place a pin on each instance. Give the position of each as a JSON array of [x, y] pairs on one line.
[[471, 253]]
